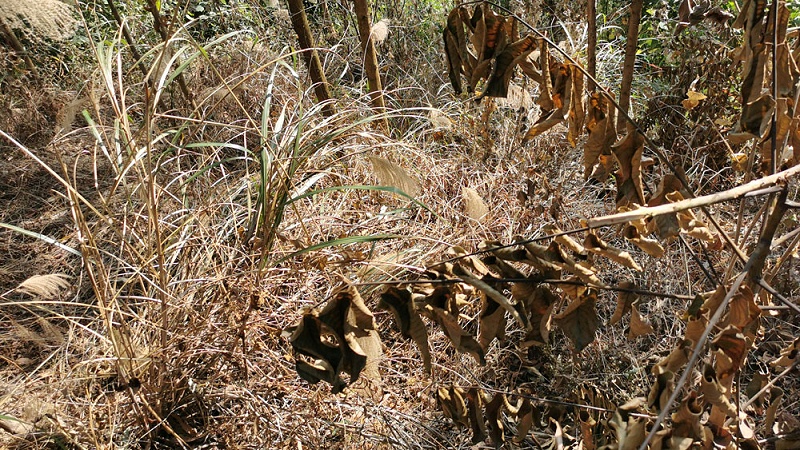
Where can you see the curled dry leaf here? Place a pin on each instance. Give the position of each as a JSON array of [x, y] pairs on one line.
[[776, 395], [579, 321], [624, 302], [525, 416], [463, 341], [714, 393], [390, 174], [628, 152], [565, 240], [686, 420], [676, 359], [474, 206], [475, 411], [400, 303], [601, 126], [788, 355], [357, 346], [693, 99], [451, 401], [595, 245], [492, 322], [661, 390], [539, 302], [635, 232], [492, 293], [629, 430], [494, 415], [639, 326]]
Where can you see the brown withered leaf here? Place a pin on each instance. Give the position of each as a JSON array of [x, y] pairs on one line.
[[676, 359], [463, 341], [783, 121], [661, 390], [475, 411], [714, 393], [624, 302], [693, 99], [400, 303], [487, 290], [545, 100], [555, 259], [639, 326], [505, 62], [494, 415], [539, 302], [743, 308], [776, 395], [595, 245], [788, 355], [451, 401], [564, 240], [636, 230], [561, 100], [587, 425], [601, 127], [628, 153], [688, 222], [629, 430], [696, 325], [349, 317], [357, 346], [686, 420], [492, 323], [455, 48], [579, 321], [525, 420], [577, 112]]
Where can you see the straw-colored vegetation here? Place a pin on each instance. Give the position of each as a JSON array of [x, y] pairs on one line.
[[197, 252]]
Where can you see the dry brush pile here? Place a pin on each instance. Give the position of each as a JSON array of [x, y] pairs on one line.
[[453, 281]]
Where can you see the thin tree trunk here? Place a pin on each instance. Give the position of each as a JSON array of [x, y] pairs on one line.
[[161, 29], [591, 51], [304, 36], [370, 57], [630, 60]]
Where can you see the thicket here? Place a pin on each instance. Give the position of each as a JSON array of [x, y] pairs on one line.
[[473, 239]]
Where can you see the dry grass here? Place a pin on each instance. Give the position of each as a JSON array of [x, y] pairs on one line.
[[168, 332]]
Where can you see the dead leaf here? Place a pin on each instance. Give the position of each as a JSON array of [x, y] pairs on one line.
[[686, 420], [579, 321], [492, 323], [776, 395], [661, 390], [675, 361], [390, 174], [400, 303], [693, 99], [629, 430], [624, 302], [601, 127], [475, 411], [463, 341], [714, 393], [638, 327], [356, 346], [474, 206], [494, 415], [788, 355], [539, 302], [628, 152], [595, 245], [525, 417], [451, 401]]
